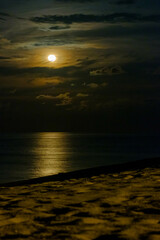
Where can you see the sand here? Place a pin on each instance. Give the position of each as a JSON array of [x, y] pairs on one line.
[[122, 204]]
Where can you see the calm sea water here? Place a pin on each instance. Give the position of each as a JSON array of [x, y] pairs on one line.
[[31, 155]]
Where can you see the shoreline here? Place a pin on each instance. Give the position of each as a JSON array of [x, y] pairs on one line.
[[89, 172]]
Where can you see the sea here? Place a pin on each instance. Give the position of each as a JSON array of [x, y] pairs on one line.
[[31, 155]]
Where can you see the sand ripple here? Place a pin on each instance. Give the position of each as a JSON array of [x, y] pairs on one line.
[[122, 205]]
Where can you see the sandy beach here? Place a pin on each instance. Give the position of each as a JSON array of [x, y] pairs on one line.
[[120, 202]]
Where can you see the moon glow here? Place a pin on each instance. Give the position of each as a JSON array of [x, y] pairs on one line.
[[52, 58]]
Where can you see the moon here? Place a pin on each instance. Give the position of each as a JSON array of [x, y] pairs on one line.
[[52, 58]]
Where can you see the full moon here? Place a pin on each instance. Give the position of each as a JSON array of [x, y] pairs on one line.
[[52, 58]]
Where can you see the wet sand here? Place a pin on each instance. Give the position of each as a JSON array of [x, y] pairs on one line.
[[114, 202]]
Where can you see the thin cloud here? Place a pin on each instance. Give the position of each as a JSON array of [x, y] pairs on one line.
[[63, 99], [93, 85], [114, 70], [104, 84], [82, 95], [45, 97]]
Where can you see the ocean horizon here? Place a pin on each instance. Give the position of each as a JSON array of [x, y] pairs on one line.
[[31, 155]]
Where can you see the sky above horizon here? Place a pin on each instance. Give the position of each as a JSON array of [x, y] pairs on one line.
[[107, 72]]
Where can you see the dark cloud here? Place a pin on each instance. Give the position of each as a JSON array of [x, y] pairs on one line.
[[157, 71], [38, 71], [4, 14], [59, 27], [47, 72], [123, 2], [4, 58], [83, 1], [152, 18], [83, 18]]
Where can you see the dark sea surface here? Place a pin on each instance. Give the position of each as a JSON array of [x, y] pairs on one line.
[[31, 155]]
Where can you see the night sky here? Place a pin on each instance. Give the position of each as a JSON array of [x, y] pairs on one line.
[[107, 74]]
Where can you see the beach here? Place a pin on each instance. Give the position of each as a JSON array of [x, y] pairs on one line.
[[112, 202]]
